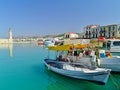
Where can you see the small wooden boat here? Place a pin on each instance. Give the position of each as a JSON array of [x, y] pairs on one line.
[[79, 71]]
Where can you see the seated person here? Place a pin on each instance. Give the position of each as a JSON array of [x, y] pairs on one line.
[[70, 51], [86, 52], [67, 58], [60, 58], [80, 55], [92, 53]]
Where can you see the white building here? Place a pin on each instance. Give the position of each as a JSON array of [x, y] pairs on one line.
[[9, 40], [71, 35]]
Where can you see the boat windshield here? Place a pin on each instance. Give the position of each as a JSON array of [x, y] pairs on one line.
[[116, 43]]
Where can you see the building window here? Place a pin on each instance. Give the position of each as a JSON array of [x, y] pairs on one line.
[[96, 35], [89, 32], [109, 29], [113, 34], [116, 43], [113, 27], [104, 28], [119, 28], [67, 36], [104, 34], [96, 30]]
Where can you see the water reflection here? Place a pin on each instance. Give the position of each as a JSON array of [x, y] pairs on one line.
[[7, 46]]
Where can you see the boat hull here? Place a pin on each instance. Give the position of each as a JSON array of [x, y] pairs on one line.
[[115, 50], [110, 63], [101, 76]]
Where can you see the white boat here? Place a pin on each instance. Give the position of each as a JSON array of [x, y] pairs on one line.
[[112, 62], [115, 45], [79, 71], [49, 42]]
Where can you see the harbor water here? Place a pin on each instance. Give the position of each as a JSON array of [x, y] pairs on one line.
[[22, 68]]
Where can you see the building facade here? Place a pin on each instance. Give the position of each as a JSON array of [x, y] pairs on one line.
[[108, 31], [71, 35], [91, 31]]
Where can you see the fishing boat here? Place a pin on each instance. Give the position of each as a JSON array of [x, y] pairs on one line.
[[106, 60], [79, 71], [75, 69]]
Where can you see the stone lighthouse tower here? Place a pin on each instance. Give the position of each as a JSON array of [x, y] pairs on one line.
[[10, 36]]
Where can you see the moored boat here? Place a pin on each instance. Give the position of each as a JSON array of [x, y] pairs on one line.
[[49, 42], [79, 71], [75, 67], [40, 42], [109, 61], [115, 45]]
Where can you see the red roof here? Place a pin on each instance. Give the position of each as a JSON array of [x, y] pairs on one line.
[[70, 33]]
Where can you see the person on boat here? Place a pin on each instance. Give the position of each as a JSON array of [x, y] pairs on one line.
[[97, 53], [76, 54], [86, 52], [59, 58], [92, 53], [83, 52], [70, 51], [81, 55], [67, 58]]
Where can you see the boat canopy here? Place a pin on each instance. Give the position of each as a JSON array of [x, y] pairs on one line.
[[67, 47]]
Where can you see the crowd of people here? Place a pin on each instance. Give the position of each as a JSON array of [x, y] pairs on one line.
[[76, 53]]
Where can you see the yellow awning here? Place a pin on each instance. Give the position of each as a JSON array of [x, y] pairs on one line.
[[58, 48], [66, 47]]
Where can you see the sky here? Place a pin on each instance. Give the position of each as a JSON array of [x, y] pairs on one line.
[[43, 17]]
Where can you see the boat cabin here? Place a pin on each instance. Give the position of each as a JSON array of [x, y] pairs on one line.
[[115, 45]]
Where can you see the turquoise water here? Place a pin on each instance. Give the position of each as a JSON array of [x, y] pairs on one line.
[[22, 68]]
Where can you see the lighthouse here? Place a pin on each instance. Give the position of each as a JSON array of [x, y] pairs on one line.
[[10, 36]]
